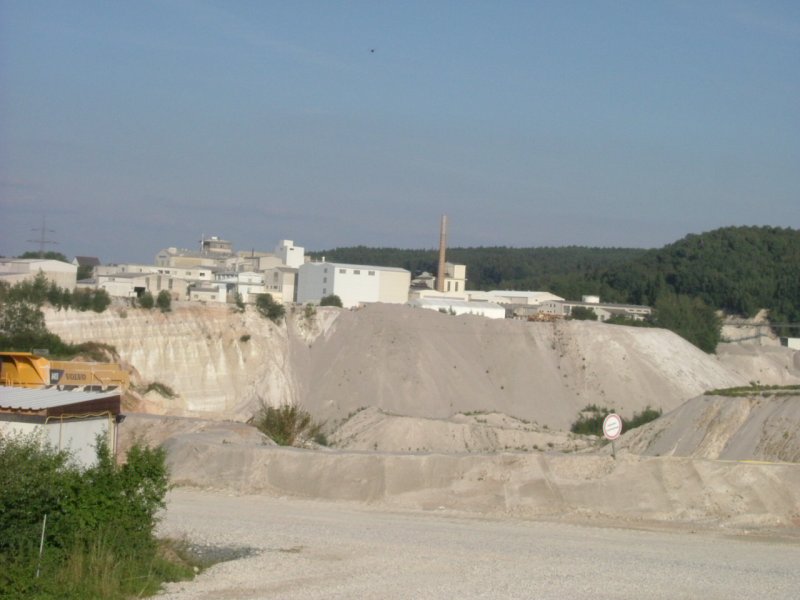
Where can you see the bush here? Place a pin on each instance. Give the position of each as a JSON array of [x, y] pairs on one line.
[[146, 300], [160, 388], [309, 312], [590, 420], [99, 537], [288, 425], [331, 300], [266, 305], [239, 303], [164, 301], [583, 313]]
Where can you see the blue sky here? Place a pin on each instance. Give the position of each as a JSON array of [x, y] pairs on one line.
[[134, 126]]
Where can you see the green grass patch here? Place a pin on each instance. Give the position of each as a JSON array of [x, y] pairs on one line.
[[590, 420], [756, 390]]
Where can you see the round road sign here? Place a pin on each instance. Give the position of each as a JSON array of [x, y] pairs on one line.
[[612, 426]]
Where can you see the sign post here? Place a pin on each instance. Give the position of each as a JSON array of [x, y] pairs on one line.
[[612, 429]]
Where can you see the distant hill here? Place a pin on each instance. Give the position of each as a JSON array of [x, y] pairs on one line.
[[735, 269]]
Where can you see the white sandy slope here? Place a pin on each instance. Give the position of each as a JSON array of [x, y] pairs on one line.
[[420, 363], [404, 361], [373, 429], [717, 427]]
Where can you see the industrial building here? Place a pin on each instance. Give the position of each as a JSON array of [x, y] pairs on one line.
[[354, 284], [68, 420], [15, 270]]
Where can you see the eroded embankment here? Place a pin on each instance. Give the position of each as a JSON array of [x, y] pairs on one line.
[[759, 427], [631, 488]]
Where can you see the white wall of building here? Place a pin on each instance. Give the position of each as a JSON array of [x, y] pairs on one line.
[[290, 255], [354, 284], [14, 270]]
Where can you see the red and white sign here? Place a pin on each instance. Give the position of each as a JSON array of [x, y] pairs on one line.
[[612, 426]]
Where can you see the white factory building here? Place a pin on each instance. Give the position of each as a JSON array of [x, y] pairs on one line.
[[354, 284]]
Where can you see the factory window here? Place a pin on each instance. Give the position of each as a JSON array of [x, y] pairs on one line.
[[342, 271], [356, 272], [371, 273], [324, 280], [325, 270], [324, 291]]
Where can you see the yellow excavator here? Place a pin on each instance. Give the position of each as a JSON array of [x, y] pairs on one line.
[[25, 369]]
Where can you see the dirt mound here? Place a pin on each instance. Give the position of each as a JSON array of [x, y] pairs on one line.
[[716, 427], [372, 429], [154, 430], [421, 363]]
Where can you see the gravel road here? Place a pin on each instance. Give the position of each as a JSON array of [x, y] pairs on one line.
[[315, 549]]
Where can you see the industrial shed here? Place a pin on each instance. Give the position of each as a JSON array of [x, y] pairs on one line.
[[70, 420]]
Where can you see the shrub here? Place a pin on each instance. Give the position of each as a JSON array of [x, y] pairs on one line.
[[309, 312], [267, 307], [164, 301], [99, 536], [244, 337], [100, 300], [160, 388], [239, 303], [583, 313], [146, 300], [288, 425], [331, 300], [590, 419]]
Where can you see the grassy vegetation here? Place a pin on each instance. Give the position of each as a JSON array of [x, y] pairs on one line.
[[269, 308], [160, 388], [98, 523], [756, 390], [288, 425], [590, 419]]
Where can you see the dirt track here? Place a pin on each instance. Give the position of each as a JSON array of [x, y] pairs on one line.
[[315, 549]]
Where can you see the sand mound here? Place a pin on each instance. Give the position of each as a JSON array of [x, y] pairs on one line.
[[372, 429], [154, 430], [420, 363], [716, 427]]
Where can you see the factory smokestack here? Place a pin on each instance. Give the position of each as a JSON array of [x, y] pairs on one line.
[[442, 248]]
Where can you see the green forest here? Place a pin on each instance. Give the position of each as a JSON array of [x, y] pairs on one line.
[[737, 270]]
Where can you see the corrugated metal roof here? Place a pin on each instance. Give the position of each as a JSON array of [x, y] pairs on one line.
[[42, 399]]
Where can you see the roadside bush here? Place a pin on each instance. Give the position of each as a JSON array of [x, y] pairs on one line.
[[288, 425], [99, 536]]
